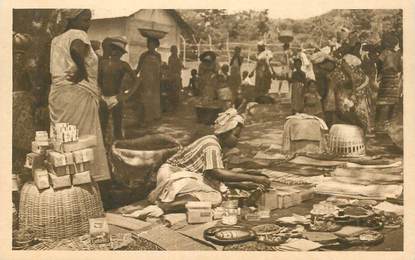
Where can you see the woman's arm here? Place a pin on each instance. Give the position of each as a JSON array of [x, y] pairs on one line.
[[229, 176], [136, 82], [78, 51]]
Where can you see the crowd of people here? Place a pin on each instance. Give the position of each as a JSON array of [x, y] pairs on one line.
[[351, 82]]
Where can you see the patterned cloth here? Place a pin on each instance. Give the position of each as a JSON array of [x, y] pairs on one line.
[[183, 173], [77, 104], [202, 155]]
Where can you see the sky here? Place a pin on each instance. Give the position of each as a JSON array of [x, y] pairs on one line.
[[288, 11], [294, 12]]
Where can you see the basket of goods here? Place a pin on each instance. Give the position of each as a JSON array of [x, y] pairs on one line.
[[228, 235], [346, 141], [271, 234], [357, 212], [135, 160], [60, 213], [151, 29], [286, 36]]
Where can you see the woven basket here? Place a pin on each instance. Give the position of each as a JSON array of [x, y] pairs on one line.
[[346, 140], [59, 214], [135, 160]]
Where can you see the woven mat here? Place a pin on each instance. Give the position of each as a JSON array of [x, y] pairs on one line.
[[172, 240]]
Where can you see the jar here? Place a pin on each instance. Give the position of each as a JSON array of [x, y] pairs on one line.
[[230, 216]]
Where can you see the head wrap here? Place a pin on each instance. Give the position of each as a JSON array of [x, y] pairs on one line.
[[64, 15], [228, 121]]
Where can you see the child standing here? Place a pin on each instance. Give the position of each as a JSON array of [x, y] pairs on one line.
[[298, 81], [312, 101], [194, 83]]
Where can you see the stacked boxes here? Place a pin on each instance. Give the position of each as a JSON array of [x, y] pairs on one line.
[[199, 212], [63, 160], [71, 156], [284, 197]]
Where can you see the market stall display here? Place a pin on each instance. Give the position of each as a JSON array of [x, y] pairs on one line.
[[346, 141]]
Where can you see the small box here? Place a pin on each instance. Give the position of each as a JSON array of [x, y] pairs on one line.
[[218, 213], [41, 179], [199, 212], [99, 231], [252, 216], [60, 159], [86, 141], [81, 178], [70, 169], [35, 161], [84, 155], [59, 182], [39, 148]]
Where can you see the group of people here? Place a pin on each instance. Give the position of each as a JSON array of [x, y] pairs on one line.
[[350, 81], [340, 84]]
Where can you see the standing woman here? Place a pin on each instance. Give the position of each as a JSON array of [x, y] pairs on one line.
[[235, 79], [149, 67], [208, 71], [263, 70], [23, 100], [74, 95]]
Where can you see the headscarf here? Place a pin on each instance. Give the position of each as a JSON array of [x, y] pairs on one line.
[[228, 121], [64, 15]]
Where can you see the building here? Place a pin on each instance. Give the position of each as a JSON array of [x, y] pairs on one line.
[[107, 23]]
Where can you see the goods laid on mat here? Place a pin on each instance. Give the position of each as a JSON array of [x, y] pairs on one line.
[[199, 212], [135, 161], [119, 241], [99, 232], [378, 192], [284, 197], [60, 213], [229, 235], [346, 141]]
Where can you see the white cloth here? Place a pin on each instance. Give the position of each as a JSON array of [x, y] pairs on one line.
[[62, 66], [323, 124], [307, 66]]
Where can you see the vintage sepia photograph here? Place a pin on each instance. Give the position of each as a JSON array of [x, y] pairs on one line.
[[207, 129]]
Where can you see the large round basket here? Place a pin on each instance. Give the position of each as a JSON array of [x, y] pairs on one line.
[[286, 36], [135, 160], [59, 214], [346, 140]]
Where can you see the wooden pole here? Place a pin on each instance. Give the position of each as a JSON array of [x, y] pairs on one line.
[[184, 50], [227, 48], [210, 42]]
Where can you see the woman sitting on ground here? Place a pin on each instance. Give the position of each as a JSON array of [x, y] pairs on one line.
[[196, 173]]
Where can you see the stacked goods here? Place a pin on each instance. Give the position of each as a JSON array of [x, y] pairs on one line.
[[284, 197], [70, 168], [199, 212], [35, 161]]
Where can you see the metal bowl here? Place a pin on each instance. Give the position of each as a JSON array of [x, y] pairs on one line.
[[151, 33]]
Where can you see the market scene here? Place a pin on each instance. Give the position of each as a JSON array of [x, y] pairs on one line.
[[207, 129]]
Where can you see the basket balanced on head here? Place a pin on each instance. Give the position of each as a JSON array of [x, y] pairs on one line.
[[347, 140], [59, 214]]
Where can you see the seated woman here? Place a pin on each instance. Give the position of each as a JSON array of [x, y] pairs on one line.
[[196, 172]]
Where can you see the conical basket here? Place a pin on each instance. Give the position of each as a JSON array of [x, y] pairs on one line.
[[346, 141]]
